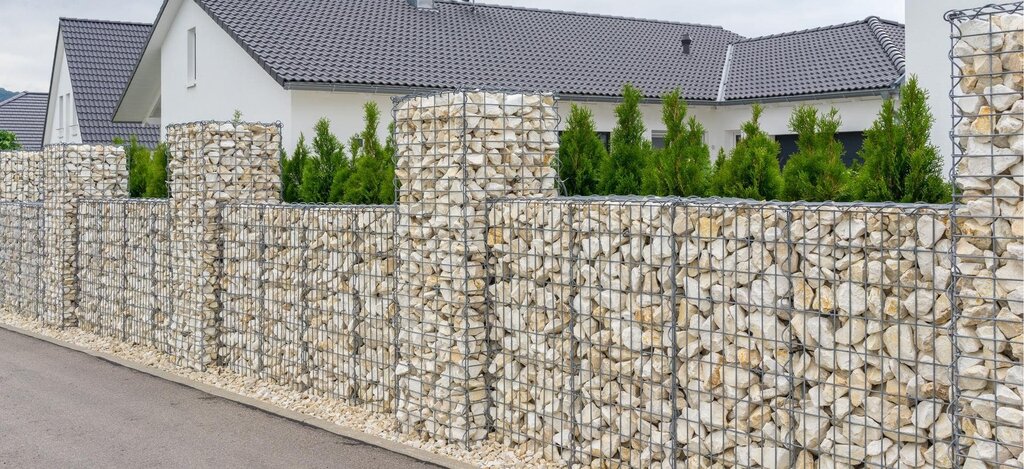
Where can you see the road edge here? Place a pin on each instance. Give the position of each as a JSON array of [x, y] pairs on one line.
[[392, 446]]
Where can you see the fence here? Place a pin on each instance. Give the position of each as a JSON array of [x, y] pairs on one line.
[[603, 332]]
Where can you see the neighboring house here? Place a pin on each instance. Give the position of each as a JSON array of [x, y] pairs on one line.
[[91, 66], [299, 60], [24, 114], [928, 47]]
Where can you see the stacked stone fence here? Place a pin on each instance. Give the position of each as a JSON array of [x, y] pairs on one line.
[[601, 332]]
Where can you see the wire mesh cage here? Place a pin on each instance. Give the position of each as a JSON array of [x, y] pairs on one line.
[[988, 228], [21, 254], [147, 273], [101, 267], [454, 150], [21, 176]]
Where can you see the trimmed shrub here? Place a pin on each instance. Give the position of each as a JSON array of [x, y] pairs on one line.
[[622, 171], [683, 166], [580, 153], [751, 171], [816, 172]]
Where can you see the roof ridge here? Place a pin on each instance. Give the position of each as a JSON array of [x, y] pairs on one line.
[[819, 28], [13, 97], [578, 13], [891, 50], [91, 20]]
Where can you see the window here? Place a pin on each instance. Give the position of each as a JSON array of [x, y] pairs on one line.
[[68, 116], [658, 139], [604, 137], [60, 113], [851, 141], [190, 78]]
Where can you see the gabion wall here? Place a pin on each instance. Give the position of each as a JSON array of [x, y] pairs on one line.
[[455, 150], [308, 301], [21, 257], [643, 332], [210, 164], [988, 233], [72, 174], [21, 176]]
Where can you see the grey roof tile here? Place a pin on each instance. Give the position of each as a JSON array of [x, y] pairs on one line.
[[841, 58], [391, 43], [101, 57], [25, 115]]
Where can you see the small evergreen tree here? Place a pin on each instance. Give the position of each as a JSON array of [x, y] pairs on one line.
[[372, 178], [752, 169], [138, 166], [9, 141], [683, 166], [156, 178], [622, 171], [580, 153], [321, 169], [900, 164], [291, 170], [815, 173]]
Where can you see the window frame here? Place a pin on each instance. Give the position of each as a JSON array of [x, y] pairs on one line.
[[191, 60]]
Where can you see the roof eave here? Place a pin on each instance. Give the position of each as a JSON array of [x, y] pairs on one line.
[[883, 93], [120, 114]]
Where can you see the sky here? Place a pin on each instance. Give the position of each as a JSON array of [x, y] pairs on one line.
[[30, 26]]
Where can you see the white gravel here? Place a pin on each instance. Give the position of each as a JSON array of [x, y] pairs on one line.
[[486, 454]]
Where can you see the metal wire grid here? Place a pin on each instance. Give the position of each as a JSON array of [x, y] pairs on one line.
[[211, 164], [790, 323], [147, 273], [21, 176], [61, 231], [455, 149], [988, 226], [101, 267], [21, 254]]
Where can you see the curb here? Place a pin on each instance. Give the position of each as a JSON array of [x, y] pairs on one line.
[[385, 444]]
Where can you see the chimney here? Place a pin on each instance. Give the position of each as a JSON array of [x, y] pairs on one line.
[[423, 4], [686, 43]]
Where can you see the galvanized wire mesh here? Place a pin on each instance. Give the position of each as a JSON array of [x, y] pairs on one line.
[[21, 257], [988, 144], [21, 176], [666, 332], [147, 273], [101, 267]]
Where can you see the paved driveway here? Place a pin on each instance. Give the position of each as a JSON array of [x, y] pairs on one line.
[[61, 408]]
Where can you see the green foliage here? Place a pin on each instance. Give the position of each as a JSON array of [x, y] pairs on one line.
[[8, 141], [621, 173], [291, 170], [373, 172], [751, 171], [816, 172], [147, 169], [156, 183], [324, 166], [683, 166], [580, 153], [236, 117], [900, 165]]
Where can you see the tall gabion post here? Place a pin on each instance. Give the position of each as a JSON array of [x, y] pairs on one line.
[[988, 216], [210, 164], [21, 176], [73, 173], [455, 151]]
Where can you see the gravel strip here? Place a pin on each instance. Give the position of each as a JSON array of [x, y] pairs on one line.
[[485, 454]]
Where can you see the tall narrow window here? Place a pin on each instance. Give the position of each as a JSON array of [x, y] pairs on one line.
[[60, 115], [190, 79], [68, 117]]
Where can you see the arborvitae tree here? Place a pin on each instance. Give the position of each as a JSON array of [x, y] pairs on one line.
[[752, 169], [291, 170], [156, 180], [322, 167], [683, 166], [900, 164], [372, 178], [138, 166], [580, 153], [816, 172], [622, 171], [9, 141]]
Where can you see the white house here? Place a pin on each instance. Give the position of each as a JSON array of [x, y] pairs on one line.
[[300, 60], [91, 66]]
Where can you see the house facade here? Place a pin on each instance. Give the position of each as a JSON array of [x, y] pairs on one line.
[[93, 60], [298, 61]]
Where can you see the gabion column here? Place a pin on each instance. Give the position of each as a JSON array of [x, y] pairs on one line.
[[988, 233], [455, 150], [73, 173], [21, 176], [210, 164]]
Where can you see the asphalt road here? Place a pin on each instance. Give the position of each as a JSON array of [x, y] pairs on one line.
[[62, 408]]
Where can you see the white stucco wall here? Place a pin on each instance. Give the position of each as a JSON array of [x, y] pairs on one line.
[[227, 78], [927, 52], [344, 110], [723, 122], [61, 87]]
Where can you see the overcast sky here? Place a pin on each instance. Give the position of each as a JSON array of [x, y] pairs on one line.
[[30, 26]]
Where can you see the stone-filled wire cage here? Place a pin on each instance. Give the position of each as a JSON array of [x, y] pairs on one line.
[[988, 232], [703, 333], [454, 151], [22, 257]]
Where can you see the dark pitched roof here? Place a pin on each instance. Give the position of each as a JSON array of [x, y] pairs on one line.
[[862, 55], [101, 57], [456, 44], [25, 115]]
